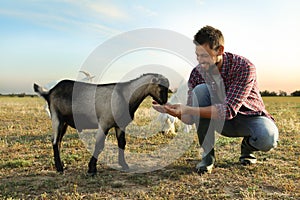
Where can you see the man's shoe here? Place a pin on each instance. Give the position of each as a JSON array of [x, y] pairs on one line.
[[207, 163], [247, 157]]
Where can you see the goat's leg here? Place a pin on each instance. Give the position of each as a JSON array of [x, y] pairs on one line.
[[121, 144], [58, 134], [99, 146]]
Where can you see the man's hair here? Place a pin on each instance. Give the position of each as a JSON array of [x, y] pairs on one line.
[[209, 35]]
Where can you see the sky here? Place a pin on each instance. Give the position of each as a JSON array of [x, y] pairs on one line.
[[45, 41]]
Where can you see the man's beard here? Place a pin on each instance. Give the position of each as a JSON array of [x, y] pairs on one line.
[[212, 69]]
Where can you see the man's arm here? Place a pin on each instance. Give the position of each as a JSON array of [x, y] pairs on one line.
[[186, 113]]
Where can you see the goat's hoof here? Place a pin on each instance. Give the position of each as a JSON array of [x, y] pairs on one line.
[[92, 171], [60, 170], [125, 167], [59, 167], [92, 167], [91, 174]]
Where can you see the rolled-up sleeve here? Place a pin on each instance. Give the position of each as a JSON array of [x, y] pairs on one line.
[[237, 92]]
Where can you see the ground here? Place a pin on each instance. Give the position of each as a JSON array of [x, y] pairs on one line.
[[27, 169]]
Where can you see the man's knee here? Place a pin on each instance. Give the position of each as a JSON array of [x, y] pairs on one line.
[[268, 144], [201, 95], [267, 138], [201, 88]]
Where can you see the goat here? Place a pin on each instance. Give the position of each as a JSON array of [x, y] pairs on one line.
[[103, 106]]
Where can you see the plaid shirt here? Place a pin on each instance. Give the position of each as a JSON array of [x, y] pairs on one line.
[[240, 84]]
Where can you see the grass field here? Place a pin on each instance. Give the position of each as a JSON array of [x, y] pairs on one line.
[[27, 169]]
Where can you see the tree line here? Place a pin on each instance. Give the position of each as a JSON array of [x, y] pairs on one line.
[[280, 93], [23, 94], [264, 93]]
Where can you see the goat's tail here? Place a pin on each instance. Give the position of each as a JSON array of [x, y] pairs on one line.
[[41, 91]]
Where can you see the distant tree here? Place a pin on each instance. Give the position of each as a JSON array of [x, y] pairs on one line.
[[21, 95], [282, 93], [267, 93], [264, 93], [296, 93], [273, 94]]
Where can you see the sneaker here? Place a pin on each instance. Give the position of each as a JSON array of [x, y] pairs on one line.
[[247, 157], [207, 163]]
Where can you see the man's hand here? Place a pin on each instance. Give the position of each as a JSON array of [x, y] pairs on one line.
[[176, 110], [172, 109], [158, 107]]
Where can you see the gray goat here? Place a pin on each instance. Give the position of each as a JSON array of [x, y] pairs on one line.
[[103, 106]]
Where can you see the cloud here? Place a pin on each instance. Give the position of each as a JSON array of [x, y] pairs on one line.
[[200, 2], [108, 10], [145, 11], [69, 15], [100, 9]]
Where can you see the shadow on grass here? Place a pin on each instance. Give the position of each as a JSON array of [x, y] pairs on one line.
[[26, 184]]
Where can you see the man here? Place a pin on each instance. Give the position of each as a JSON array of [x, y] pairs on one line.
[[223, 96]]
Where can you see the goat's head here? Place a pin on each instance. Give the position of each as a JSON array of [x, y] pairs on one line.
[[159, 89]]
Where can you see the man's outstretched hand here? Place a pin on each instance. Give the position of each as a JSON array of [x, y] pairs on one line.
[[177, 110], [156, 106], [172, 109]]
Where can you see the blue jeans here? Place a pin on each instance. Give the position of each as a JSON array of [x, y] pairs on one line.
[[260, 131]]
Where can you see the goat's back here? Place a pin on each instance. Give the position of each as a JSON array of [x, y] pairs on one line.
[[82, 105]]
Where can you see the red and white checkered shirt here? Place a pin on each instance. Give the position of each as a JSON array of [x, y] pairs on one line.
[[241, 90]]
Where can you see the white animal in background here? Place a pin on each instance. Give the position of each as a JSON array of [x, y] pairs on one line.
[[89, 77], [169, 123]]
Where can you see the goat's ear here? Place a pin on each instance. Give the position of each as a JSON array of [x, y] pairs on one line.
[[155, 80], [172, 119]]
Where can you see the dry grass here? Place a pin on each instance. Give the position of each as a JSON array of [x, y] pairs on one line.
[[27, 169]]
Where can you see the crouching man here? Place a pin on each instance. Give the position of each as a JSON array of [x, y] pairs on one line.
[[223, 96]]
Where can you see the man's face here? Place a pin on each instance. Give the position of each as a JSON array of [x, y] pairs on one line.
[[206, 56]]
